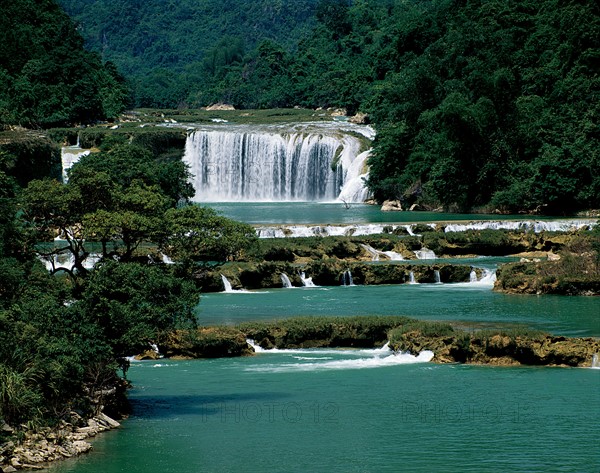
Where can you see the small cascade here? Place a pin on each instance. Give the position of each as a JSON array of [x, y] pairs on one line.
[[595, 362], [226, 284], [488, 277], [347, 279], [375, 254], [425, 253], [411, 278], [436, 275], [307, 282], [393, 256], [70, 155], [166, 259], [286, 281], [257, 348], [372, 251]]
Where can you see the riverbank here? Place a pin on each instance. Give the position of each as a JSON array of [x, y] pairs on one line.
[[39, 447], [449, 343]]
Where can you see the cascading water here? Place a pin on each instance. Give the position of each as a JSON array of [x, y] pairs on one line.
[[436, 275], [347, 279], [69, 156], [285, 280], [411, 278], [226, 284], [472, 276], [307, 282], [425, 253], [310, 163]]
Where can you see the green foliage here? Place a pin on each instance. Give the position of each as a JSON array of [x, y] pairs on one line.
[[365, 331], [166, 51], [47, 78], [133, 305], [196, 233]]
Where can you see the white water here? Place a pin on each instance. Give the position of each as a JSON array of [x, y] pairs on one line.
[[425, 253], [284, 231], [375, 254], [70, 155], [305, 162], [226, 284], [595, 362], [67, 261], [525, 225], [488, 278], [166, 259], [307, 282], [285, 280], [411, 278], [319, 359], [347, 279], [436, 274]]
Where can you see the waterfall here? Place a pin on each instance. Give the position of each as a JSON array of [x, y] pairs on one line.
[[372, 251], [69, 155], [436, 275], [305, 163], [392, 255], [488, 277], [595, 362], [411, 278], [308, 282], [286, 281], [166, 259], [347, 279], [425, 253], [256, 347], [226, 284]]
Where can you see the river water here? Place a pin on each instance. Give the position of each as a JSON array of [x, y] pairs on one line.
[[362, 410]]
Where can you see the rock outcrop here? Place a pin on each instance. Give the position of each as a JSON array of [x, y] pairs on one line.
[[391, 206], [46, 445]]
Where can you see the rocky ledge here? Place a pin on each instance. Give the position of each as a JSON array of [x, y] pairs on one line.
[[40, 447], [501, 348], [450, 344]]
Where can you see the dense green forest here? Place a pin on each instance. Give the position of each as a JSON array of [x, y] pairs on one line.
[[478, 104], [169, 50], [73, 325], [47, 78]]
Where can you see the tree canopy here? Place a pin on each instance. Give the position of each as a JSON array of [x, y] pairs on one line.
[[46, 76]]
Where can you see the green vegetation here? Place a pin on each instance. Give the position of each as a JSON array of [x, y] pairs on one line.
[[577, 272], [297, 332], [65, 333], [167, 50], [46, 77], [487, 105]]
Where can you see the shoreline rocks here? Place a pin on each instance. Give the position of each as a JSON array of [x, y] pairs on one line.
[[46, 445]]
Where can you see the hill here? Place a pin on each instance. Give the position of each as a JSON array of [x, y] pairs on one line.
[[167, 48]]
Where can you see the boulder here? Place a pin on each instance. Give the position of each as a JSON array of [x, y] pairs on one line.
[[391, 206], [359, 119]]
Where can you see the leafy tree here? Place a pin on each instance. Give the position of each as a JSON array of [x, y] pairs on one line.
[[196, 234], [134, 305], [48, 79]]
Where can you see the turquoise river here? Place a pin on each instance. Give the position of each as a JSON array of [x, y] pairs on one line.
[[362, 410]]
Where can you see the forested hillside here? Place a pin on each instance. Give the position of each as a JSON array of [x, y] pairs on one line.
[[169, 49], [490, 104], [46, 77]]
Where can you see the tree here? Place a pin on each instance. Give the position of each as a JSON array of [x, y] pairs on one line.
[[195, 234], [134, 305]]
